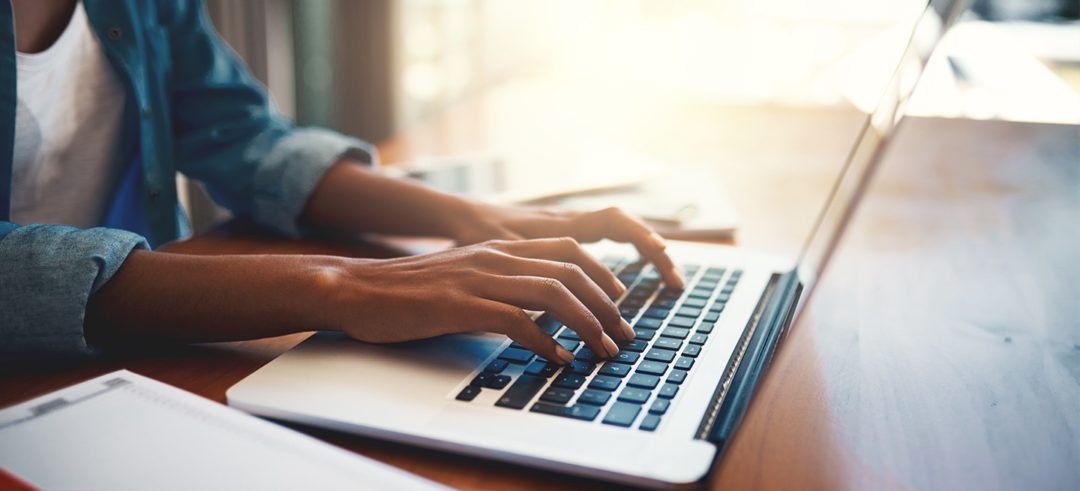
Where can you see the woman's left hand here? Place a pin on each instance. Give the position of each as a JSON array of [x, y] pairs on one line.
[[488, 222]]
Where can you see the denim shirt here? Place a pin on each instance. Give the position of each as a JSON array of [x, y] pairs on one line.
[[192, 107]]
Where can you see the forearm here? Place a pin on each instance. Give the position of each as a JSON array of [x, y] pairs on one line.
[[206, 298], [352, 197]]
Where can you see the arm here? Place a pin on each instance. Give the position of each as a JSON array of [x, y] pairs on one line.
[[483, 287], [352, 197]]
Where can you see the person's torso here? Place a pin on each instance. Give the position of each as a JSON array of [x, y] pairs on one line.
[[67, 132]]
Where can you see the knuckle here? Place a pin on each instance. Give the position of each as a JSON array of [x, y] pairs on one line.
[[613, 212], [568, 242], [572, 270], [552, 286]]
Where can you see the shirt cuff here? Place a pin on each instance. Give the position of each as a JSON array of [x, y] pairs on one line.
[[49, 273], [288, 174]]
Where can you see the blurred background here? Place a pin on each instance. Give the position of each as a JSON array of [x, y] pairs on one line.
[[551, 96]]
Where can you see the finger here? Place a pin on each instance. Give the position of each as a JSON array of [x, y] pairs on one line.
[[567, 250], [549, 294], [574, 278], [511, 321], [615, 224]]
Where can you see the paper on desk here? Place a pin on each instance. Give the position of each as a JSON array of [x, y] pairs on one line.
[[124, 431]]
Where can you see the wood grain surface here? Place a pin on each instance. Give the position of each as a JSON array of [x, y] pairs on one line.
[[941, 351]]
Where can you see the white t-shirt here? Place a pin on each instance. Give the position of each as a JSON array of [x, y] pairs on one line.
[[67, 130]]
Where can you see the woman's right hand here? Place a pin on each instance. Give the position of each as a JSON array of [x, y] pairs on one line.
[[483, 287]]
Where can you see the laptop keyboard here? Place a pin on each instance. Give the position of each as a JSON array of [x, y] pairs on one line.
[[639, 384]]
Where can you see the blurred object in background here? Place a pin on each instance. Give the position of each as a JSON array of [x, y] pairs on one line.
[[1016, 60], [539, 85]]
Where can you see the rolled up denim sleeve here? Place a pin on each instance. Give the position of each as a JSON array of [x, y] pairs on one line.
[[47, 274], [228, 135], [288, 173]]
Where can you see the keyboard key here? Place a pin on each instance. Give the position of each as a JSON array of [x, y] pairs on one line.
[[587, 355], [684, 363], [660, 354], [697, 303], [636, 346], [613, 369], [634, 395], [707, 283], [628, 312], [723, 298], [481, 379], [584, 413], [521, 392], [715, 272], [676, 332], [692, 350], [605, 383], [643, 381], [728, 288], [652, 367], [664, 303], [578, 367], [468, 393], [568, 381], [706, 327], [670, 293], [622, 414], [516, 355], [676, 376], [541, 369], [644, 334], [702, 293], [656, 313], [667, 391], [689, 312], [496, 366], [570, 345], [650, 422], [712, 317], [628, 357], [594, 397], [699, 338], [660, 406], [683, 322], [648, 323], [548, 324], [569, 334], [497, 382], [668, 343], [557, 395]]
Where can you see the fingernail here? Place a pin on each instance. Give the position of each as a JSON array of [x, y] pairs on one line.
[[610, 346], [627, 331], [564, 356]]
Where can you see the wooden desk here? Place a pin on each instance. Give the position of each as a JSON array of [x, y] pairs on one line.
[[942, 350]]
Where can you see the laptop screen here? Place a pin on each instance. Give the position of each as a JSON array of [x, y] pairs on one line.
[[868, 147]]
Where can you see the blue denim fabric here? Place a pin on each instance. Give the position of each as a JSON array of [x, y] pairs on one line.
[[192, 107]]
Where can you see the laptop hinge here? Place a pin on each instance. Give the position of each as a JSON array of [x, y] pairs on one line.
[[763, 331]]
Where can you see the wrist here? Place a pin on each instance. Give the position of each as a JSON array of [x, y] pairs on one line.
[[463, 216]]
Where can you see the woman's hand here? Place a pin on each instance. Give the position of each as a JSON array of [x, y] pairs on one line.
[[487, 222], [481, 287]]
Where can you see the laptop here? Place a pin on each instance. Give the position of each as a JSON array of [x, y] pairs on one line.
[[659, 414]]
